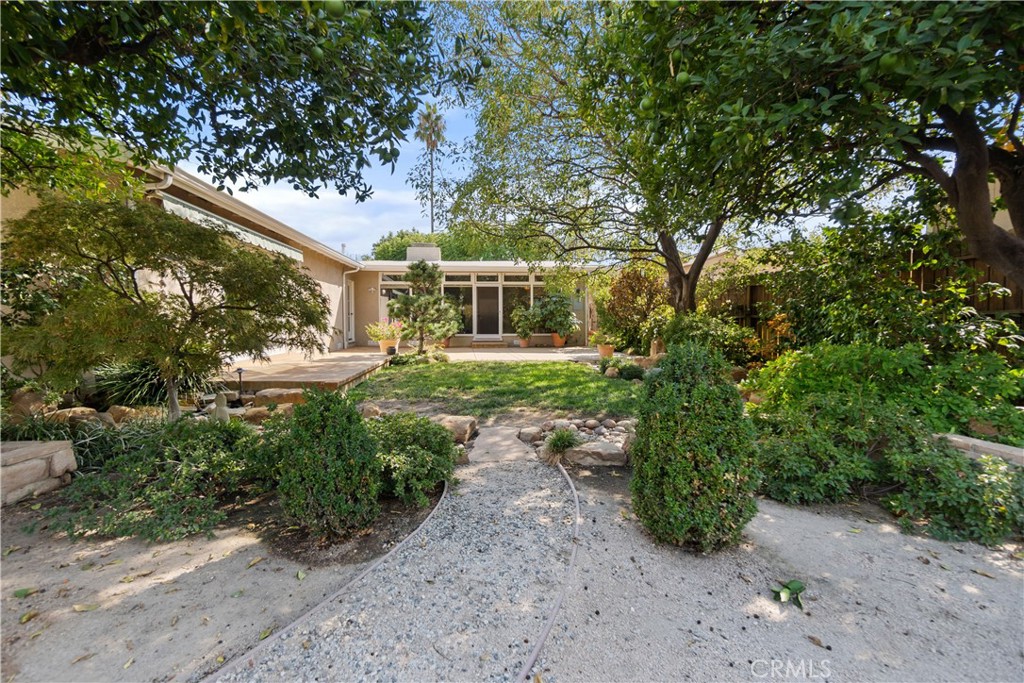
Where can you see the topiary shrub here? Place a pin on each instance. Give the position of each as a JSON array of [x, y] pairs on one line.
[[328, 472], [693, 458], [416, 456]]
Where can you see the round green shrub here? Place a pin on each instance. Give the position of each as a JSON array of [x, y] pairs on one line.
[[631, 371], [736, 343], [693, 459], [329, 473], [416, 455]]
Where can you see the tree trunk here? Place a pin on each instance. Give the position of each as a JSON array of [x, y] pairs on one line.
[[431, 194], [990, 243], [682, 283], [173, 409]]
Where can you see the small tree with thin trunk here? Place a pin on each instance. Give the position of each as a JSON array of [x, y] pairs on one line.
[[423, 308], [149, 286]]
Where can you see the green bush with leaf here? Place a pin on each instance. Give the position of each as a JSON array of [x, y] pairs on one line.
[[326, 464], [416, 454], [839, 422], [736, 343], [635, 306], [160, 481], [694, 470], [628, 370]]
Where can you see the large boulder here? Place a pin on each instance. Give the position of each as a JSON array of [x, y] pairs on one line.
[[26, 402], [596, 453], [73, 416], [462, 427], [259, 414], [368, 409], [278, 396], [530, 434]]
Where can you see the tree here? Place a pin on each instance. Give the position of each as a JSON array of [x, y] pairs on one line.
[[858, 93], [633, 308], [254, 92], [148, 285], [455, 244], [423, 308], [431, 131], [571, 150]]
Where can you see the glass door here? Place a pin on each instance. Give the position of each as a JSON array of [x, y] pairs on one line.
[[488, 311]]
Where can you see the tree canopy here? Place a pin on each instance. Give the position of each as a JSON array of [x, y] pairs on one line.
[[254, 92], [112, 281], [859, 94]]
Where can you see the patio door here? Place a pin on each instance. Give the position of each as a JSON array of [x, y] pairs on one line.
[[488, 311]]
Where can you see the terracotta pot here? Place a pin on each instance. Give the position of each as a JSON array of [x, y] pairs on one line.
[[605, 350], [447, 342], [557, 340], [385, 343], [524, 343]]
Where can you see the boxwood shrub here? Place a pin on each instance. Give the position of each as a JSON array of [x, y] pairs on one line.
[[694, 473], [416, 455]]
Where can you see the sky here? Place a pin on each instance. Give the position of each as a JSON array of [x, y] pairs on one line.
[[341, 223]]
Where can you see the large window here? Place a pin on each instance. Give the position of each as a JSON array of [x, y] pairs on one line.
[[512, 298], [462, 298]]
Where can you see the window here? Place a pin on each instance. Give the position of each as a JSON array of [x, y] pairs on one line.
[[486, 278], [462, 299], [517, 278], [392, 277], [448, 277], [513, 298]]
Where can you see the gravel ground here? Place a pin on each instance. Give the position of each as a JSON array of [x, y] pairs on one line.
[[465, 599], [880, 605]]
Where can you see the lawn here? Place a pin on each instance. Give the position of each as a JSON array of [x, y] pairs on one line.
[[484, 389]]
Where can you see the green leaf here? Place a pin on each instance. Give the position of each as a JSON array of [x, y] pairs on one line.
[[25, 592]]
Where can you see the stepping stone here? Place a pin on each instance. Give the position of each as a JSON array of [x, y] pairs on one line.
[[499, 444]]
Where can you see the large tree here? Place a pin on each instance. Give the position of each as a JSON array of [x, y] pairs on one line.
[[571, 150], [861, 93], [254, 92], [119, 281]]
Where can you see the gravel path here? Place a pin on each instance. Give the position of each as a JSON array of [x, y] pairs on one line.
[[463, 600]]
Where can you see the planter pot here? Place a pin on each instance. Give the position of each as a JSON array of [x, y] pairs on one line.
[[524, 343], [605, 350], [557, 340], [447, 342], [385, 343]]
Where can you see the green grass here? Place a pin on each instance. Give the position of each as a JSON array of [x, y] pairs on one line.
[[484, 389]]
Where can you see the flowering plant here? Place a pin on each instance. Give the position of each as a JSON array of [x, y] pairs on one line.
[[384, 330]]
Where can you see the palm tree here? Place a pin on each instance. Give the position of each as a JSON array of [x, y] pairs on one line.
[[431, 131]]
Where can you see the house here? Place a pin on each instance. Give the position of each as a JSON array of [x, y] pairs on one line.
[[358, 290]]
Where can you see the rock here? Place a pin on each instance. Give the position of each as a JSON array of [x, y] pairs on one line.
[[26, 402], [612, 372], [259, 414], [609, 424], [462, 456], [462, 427], [123, 414], [627, 442], [107, 419], [573, 428], [752, 397], [530, 434], [561, 424], [24, 474], [72, 416], [538, 443], [596, 453], [210, 398], [369, 409], [268, 396], [738, 373], [579, 424], [547, 425], [498, 444], [600, 431], [983, 428], [63, 462], [591, 424], [30, 490]]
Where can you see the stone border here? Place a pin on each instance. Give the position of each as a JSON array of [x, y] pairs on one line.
[[32, 468], [975, 448]]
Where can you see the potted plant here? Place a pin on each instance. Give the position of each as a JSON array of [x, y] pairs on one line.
[[525, 321], [605, 344], [558, 318], [386, 333]]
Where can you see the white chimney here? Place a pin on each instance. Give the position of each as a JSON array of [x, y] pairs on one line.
[[425, 251]]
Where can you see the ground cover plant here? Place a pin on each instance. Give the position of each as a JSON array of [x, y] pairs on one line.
[[484, 389], [694, 470], [840, 422]]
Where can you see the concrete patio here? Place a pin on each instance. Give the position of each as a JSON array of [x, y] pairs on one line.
[[343, 369]]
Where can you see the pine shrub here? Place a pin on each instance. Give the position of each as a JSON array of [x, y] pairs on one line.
[[328, 472], [693, 459]]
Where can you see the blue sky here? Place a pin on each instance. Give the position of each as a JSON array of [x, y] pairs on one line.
[[336, 220]]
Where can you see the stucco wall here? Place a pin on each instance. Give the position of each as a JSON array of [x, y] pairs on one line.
[[329, 275], [367, 304]]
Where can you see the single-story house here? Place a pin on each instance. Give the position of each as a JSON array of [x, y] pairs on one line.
[[358, 290]]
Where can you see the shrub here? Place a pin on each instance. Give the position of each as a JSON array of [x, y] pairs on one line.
[[836, 420], [139, 383], [160, 481], [631, 371], [635, 307], [416, 455], [693, 458], [326, 464], [958, 394], [736, 343], [956, 497], [562, 440]]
